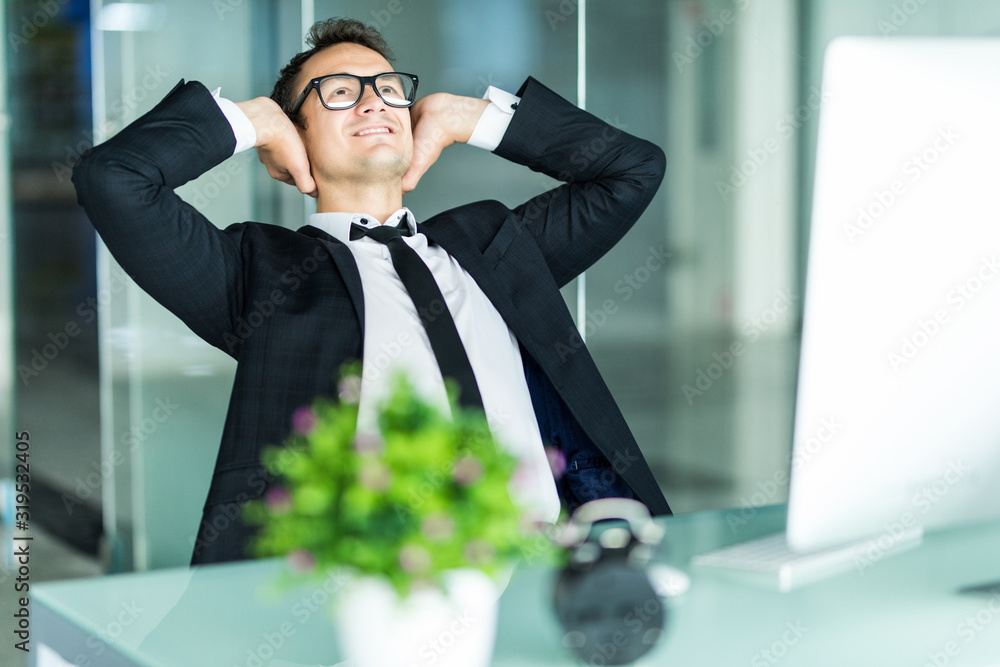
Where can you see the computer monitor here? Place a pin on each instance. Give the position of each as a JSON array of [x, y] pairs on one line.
[[897, 420]]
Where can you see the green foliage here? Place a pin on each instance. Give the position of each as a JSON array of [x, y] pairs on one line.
[[428, 494]]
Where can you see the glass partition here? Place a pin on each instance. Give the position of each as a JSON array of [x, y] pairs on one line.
[[684, 312], [164, 391]]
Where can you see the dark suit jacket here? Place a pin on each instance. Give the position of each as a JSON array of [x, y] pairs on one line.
[[288, 305]]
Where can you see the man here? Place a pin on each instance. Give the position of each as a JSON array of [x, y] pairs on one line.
[[293, 306]]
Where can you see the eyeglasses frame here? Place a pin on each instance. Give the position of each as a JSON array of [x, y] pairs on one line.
[[365, 81]]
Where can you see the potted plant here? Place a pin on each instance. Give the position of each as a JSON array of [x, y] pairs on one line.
[[419, 514]]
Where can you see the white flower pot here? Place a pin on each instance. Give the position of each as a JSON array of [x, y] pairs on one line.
[[453, 628]]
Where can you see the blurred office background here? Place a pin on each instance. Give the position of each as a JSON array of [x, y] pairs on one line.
[[125, 406]]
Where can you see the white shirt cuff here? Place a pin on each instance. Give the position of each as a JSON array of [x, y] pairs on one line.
[[493, 123], [243, 130]]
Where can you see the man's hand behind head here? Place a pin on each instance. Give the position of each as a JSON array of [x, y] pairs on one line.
[[279, 145], [439, 120]]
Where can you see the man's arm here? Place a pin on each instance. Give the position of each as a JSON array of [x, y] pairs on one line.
[[609, 178], [171, 250]]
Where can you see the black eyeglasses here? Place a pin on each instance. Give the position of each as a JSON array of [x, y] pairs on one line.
[[343, 91]]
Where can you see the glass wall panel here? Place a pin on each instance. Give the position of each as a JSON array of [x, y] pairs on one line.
[[52, 266], [626, 313], [683, 311], [165, 391]]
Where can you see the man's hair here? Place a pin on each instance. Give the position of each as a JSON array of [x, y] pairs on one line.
[[321, 35]]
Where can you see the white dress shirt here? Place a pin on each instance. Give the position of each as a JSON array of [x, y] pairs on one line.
[[396, 341]]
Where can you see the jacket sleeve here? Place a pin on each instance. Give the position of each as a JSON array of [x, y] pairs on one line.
[[126, 185], [609, 178]]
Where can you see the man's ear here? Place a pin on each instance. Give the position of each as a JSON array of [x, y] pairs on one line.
[[303, 136]]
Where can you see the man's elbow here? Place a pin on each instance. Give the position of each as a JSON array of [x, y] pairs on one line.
[[107, 186], [661, 162], [89, 177], [655, 163], [646, 174]]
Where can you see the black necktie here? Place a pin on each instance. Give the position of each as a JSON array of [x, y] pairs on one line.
[[431, 307]]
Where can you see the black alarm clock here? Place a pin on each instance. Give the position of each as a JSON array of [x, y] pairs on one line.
[[604, 596]]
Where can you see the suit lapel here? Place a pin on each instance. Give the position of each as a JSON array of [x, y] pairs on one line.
[[450, 234], [348, 268]]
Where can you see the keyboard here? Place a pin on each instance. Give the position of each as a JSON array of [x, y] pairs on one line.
[[771, 556]]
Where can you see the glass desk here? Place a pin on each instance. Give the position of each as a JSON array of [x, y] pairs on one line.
[[903, 610]]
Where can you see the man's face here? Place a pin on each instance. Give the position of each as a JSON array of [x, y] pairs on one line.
[[371, 141]]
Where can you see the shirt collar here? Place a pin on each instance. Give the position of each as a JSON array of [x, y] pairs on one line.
[[338, 224]]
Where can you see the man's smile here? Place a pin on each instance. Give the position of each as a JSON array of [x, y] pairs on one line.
[[378, 129]]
